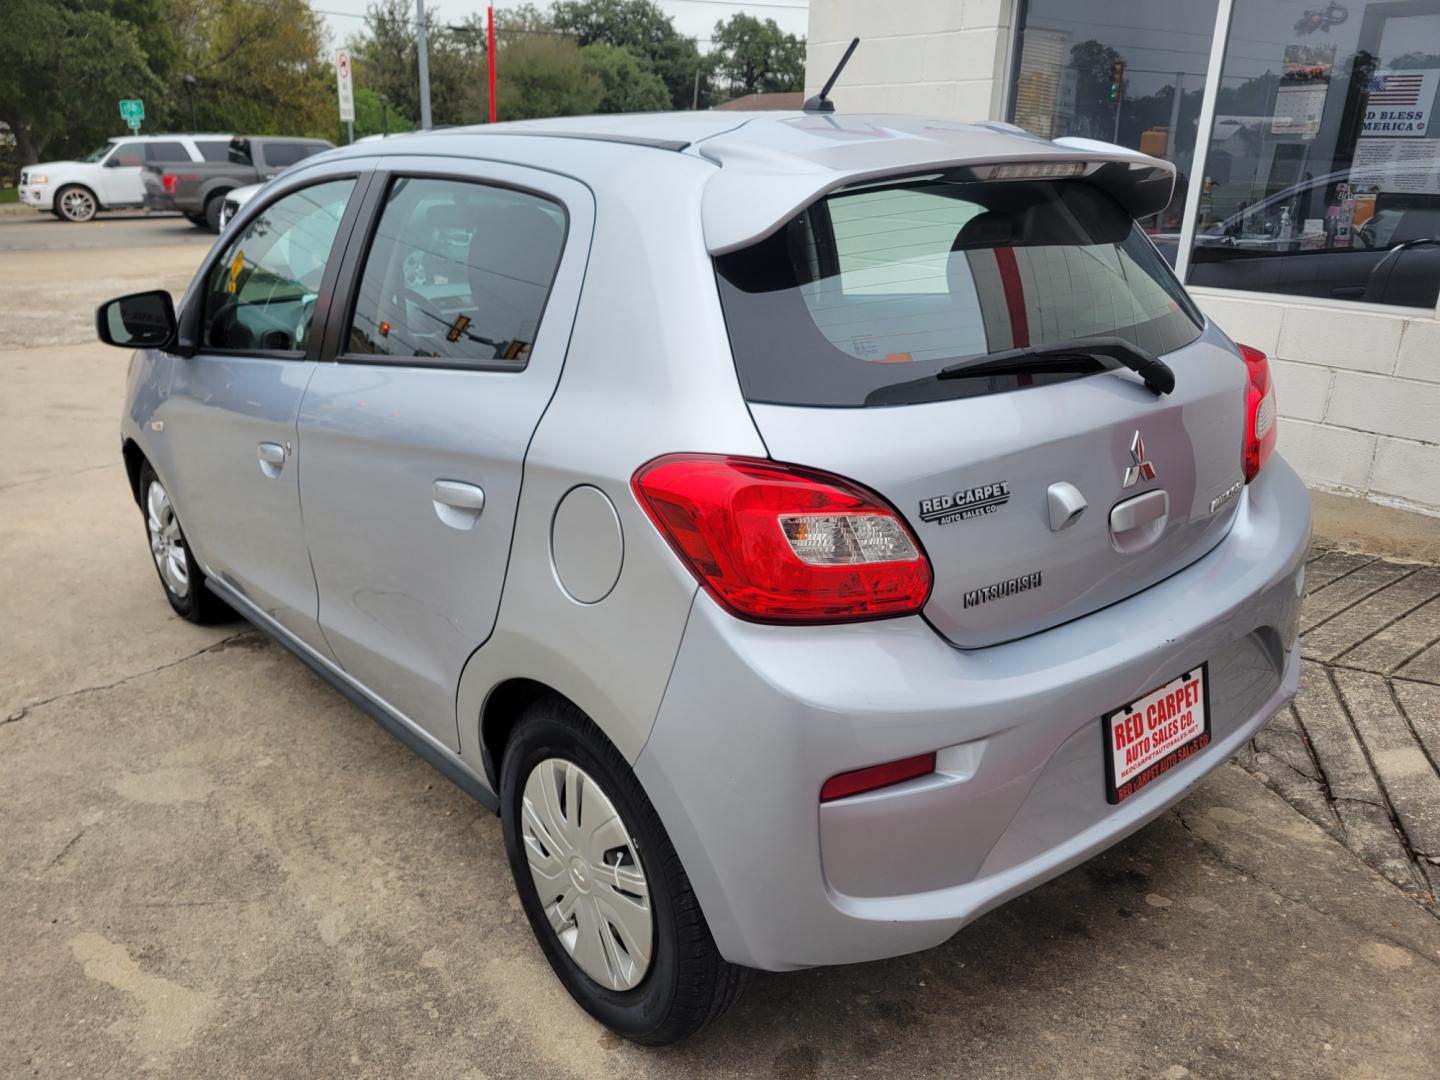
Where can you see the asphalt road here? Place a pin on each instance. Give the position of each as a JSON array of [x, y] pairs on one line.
[[32, 230], [212, 865]]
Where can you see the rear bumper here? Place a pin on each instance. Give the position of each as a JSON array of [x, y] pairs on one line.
[[36, 195], [155, 201], [755, 718]]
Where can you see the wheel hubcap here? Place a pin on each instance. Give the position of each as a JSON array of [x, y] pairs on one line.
[[77, 204], [166, 543], [587, 871]]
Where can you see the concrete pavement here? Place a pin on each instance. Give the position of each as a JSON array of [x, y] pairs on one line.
[[213, 865]]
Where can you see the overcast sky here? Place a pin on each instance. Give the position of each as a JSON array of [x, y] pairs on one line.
[[694, 18]]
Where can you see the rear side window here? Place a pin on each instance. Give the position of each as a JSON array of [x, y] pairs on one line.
[[887, 284], [213, 149], [157, 152], [286, 154], [457, 272]]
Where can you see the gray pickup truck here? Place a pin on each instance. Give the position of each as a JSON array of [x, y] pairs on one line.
[[197, 189]]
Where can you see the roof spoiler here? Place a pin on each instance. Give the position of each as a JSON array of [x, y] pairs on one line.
[[760, 187]]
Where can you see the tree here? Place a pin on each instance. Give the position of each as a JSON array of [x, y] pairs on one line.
[[260, 68], [641, 28], [628, 85], [755, 57], [373, 118], [545, 76], [387, 60], [63, 69]]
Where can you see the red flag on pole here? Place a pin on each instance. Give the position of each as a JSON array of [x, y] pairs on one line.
[[490, 54]]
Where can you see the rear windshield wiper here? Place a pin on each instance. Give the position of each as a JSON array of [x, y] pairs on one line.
[[1156, 373]]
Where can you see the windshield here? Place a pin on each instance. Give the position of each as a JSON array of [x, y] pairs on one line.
[[96, 155], [877, 287]]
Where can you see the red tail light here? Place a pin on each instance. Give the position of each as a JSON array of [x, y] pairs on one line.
[[775, 543], [877, 776], [168, 183], [1260, 417]]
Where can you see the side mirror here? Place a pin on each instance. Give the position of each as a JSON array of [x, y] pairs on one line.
[[139, 321]]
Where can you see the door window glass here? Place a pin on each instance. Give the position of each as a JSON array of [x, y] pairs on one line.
[[1128, 74], [126, 154], [165, 151], [458, 271], [282, 155], [261, 294], [213, 149], [1323, 171]]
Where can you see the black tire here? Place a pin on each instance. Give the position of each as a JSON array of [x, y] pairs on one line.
[[198, 220], [688, 984], [76, 203], [195, 603], [213, 205]]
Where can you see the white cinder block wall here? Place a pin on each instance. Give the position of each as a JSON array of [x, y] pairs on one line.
[[1359, 386], [1359, 391]]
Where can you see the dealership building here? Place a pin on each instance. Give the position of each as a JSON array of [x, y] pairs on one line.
[[1306, 214]]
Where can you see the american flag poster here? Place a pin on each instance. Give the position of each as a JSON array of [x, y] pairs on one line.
[[1398, 103]]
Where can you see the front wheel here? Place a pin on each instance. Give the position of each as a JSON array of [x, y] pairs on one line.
[[214, 207], [183, 581], [601, 884], [76, 203]]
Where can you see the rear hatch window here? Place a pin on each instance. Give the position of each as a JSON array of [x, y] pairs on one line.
[[841, 321], [863, 297]]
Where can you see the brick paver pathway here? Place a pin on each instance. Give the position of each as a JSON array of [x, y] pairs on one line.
[[1358, 751]]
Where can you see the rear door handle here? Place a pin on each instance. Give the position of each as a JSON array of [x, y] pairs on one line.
[[272, 458], [457, 503]]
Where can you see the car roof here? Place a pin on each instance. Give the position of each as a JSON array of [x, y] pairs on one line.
[[773, 164], [172, 135]]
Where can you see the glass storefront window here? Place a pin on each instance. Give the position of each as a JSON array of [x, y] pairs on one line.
[[1322, 176], [1122, 73]]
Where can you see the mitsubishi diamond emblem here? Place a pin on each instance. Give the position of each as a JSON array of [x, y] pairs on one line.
[[1139, 467]]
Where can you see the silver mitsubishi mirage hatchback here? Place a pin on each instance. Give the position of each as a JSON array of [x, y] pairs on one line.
[[806, 531]]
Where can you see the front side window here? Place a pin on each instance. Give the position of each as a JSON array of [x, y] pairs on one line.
[[864, 297], [458, 272], [261, 294], [127, 154], [1322, 176], [1137, 81]]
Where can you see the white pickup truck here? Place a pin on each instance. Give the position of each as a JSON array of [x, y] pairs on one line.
[[109, 179]]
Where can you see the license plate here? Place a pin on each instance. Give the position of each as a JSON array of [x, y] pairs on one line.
[[1150, 736]]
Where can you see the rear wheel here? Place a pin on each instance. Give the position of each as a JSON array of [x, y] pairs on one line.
[[183, 581], [76, 203], [198, 220], [601, 884]]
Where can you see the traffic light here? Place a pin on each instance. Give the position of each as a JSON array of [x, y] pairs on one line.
[[1117, 79]]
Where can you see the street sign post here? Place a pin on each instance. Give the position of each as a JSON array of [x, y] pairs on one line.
[[132, 111], [346, 90]]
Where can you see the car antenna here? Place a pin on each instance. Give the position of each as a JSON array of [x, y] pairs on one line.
[[821, 102]]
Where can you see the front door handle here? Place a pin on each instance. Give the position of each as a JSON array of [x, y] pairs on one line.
[[272, 458], [457, 503]]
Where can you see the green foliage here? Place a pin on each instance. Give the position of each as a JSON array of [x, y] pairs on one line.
[[646, 32], [258, 68], [629, 84], [63, 68], [374, 118], [545, 76], [754, 57]]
